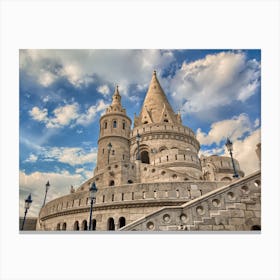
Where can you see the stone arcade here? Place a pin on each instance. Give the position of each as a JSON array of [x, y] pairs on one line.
[[168, 187]]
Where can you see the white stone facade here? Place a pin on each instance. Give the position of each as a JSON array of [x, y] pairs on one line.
[[167, 173]]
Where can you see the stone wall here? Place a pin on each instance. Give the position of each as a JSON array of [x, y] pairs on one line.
[[235, 207], [131, 201]]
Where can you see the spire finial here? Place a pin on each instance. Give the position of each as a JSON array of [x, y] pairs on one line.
[[155, 73]]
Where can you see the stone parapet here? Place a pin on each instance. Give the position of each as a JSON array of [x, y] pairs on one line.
[[236, 206]]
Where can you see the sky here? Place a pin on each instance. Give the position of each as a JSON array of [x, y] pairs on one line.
[[63, 93]]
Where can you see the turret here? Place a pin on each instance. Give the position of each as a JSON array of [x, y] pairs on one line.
[[113, 143]]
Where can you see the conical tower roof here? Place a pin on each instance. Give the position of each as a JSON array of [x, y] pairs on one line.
[[116, 105], [156, 108]]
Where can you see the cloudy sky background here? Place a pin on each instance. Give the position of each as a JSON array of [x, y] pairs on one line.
[[64, 92]]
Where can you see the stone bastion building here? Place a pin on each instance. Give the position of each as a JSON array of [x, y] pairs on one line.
[[164, 187]]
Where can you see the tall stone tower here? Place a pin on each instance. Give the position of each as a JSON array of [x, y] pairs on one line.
[[113, 142], [165, 142]]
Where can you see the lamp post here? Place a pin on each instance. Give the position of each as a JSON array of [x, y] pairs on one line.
[[138, 138], [28, 202], [230, 149], [92, 194], [109, 147], [47, 188]]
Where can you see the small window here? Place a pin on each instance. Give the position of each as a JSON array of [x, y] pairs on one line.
[[123, 157], [175, 157], [122, 196], [113, 152], [144, 195], [103, 151], [114, 124], [165, 120], [123, 125], [166, 158], [113, 197], [103, 199], [132, 196], [155, 194], [105, 125]]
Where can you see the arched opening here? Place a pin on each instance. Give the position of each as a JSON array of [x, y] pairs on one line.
[[165, 120], [84, 225], [76, 226], [114, 124], [144, 156], [130, 182], [162, 149], [112, 183], [121, 222], [145, 122], [93, 225], [58, 227], [111, 224], [256, 227], [64, 226]]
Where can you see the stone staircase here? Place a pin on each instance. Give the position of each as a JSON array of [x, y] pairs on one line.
[[235, 207]]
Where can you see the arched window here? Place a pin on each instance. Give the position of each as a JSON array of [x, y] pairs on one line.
[[110, 224], [123, 125], [130, 182], [84, 225], [64, 226], [105, 125], [112, 183], [76, 226], [165, 120], [145, 157], [58, 227], [114, 124], [93, 225], [121, 222]]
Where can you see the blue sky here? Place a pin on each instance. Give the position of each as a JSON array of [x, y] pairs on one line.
[[63, 93]]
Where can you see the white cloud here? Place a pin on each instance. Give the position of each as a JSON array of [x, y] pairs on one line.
[[39, 115], [215, 81], [31, 158], [103, 89], [88, 117], [257, 122], [72, 156], [34, 183], [245, 152], [63, 115], [81, 66], [67, 115], [233, 128]]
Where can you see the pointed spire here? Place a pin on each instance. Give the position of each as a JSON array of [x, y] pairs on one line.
[[154, 103], [116, 98]]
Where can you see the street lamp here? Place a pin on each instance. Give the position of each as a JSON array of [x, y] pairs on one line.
[[47, 188], [92, 194], [138, 138], [28, 202], [109, 147], [230, 149]]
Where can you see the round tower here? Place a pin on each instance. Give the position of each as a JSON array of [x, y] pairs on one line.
[[113, 142]]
